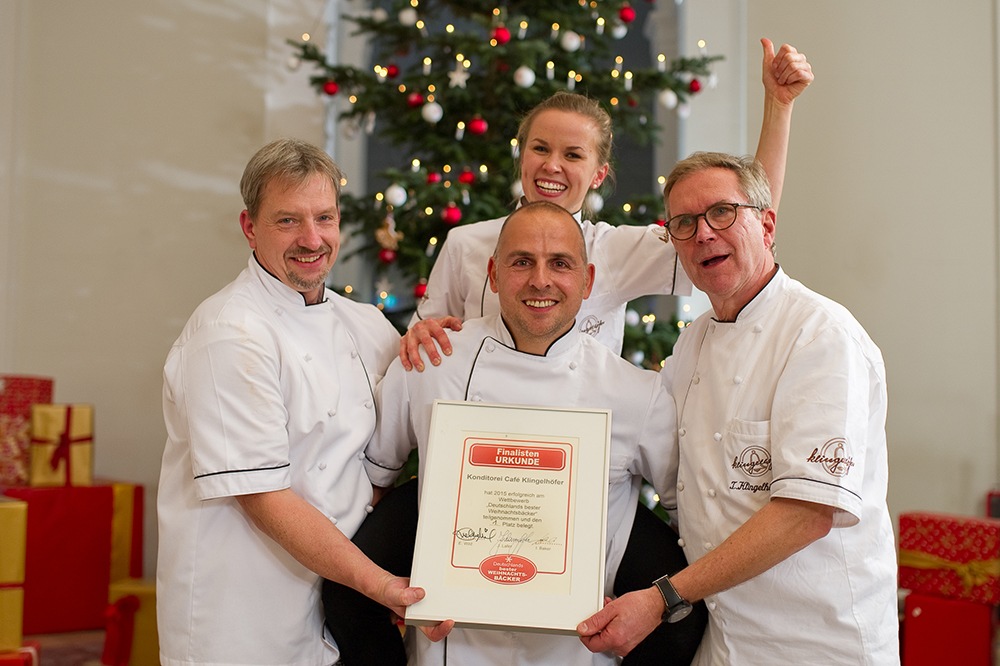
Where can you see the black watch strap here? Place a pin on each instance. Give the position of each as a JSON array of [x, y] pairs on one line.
[[676, 607]]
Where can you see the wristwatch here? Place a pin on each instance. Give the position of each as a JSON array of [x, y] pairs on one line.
[[677, 607]]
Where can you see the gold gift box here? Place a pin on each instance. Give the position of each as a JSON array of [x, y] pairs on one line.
[[62, 445], [13, 542]]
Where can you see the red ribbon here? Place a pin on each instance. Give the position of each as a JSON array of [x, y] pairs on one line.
[[119, 620]]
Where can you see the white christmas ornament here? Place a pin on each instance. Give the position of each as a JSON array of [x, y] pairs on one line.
[[595, 202], [516, 189], [668, 98], [637, 357], [408, 16], [631, 317], [618, 30], [395, 195], [524, 76], [379, 15], [432, 112], [684, 110], [570, 41]]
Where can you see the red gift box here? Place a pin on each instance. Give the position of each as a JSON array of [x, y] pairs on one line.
[[26, 655], [67, 568], [17, 394], [950, 556], [946, 631]]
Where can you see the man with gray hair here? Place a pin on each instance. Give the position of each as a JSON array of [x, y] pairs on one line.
[[781, 485], [268, 403]]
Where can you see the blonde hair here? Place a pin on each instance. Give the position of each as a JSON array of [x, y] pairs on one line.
[[288, 160]]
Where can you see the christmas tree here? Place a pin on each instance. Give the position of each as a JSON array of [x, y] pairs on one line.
[[448, 86]]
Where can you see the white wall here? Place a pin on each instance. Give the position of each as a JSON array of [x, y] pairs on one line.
[[890, 207], [124, 129]]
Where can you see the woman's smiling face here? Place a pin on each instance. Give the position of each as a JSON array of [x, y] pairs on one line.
[[559, 161]]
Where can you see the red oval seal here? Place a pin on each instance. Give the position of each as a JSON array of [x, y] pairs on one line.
[[507, 569]]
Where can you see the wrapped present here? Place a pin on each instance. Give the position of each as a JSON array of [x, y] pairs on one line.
[[126, 531], [17, 394], [68, 554], [13, 545], [945, 631], [130, 635], [950, 556], [62, 445], [25, 655]]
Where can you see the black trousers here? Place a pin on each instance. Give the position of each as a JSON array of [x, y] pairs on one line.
[[367, 637]]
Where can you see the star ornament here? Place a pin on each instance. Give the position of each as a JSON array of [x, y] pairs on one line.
[[457, 77]]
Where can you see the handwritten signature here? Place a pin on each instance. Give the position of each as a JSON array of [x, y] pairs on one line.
[[475, 534]]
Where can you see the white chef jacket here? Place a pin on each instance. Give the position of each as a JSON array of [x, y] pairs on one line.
[[260, 393], [630, 262], [576, 371], [789, 401]]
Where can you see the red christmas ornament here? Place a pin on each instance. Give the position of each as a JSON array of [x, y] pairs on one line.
[[467, 177], [392, 71], [420, 290], [331, 88], [478, 126], [501, 35], [414, 99], [694, 86], [451, 214], [632, 101], [386, 256], [626, 14], [661, 222], [433, 177]]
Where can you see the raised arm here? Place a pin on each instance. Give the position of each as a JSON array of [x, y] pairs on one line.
[[785, 75]]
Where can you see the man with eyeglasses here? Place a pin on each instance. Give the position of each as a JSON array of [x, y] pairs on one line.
[[781, 485]]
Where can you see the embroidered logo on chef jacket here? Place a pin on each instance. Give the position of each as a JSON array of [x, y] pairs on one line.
[[754, 461], [833, 457], [591, 325]]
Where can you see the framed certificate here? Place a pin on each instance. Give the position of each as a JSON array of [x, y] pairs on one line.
[[513, 510]]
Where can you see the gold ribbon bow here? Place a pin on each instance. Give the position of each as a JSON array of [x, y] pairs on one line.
[[972, 573]]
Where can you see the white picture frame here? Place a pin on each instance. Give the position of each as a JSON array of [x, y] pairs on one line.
[[513, 517]]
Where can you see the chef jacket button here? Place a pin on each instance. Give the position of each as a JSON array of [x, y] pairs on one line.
[[477, 398], [680, 485], [717, 436], [711, 492], [354, 353], [369, 508], [682, 431], [696, 379], [572, 365], [331, 412], [307, 358], [368, 404], [321, 466], [708, 546], [361, 455], [680, 542], [333, 520], [490, 347], [712, 605], [737, 379], [757, 328]]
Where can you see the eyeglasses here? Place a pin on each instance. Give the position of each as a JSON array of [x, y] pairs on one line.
[[720, 216]]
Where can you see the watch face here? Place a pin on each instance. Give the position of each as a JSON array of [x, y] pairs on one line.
[[679, 613]]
